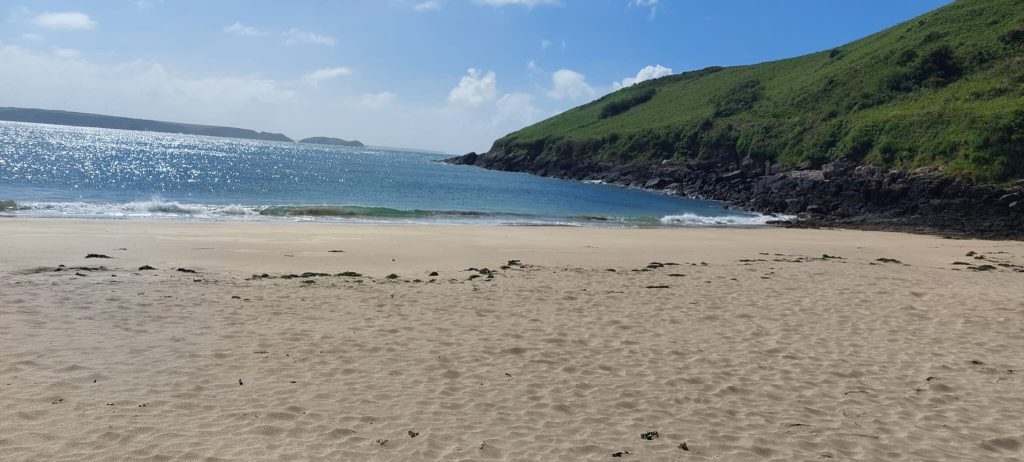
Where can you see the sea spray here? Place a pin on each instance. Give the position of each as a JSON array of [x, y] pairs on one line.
[[157, 205]]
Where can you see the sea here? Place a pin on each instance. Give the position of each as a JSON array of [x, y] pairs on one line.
[[53, 171]]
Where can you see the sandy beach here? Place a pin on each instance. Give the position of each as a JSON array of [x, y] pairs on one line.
[[558, 344]]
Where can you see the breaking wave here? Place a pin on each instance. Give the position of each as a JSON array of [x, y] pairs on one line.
[[157, 208], [689, 219]]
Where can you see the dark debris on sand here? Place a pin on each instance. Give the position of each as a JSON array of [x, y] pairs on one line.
[[480, 273], [889, 260], [649, 436]]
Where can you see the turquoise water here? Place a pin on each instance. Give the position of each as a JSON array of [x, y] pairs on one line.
[[58, 171]]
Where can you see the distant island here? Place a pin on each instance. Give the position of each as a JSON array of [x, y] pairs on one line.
[[81, 119], [332, 141]]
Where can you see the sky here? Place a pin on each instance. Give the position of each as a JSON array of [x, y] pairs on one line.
[[446, 75]]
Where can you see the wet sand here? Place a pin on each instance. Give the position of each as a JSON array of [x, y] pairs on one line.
[[334, 342]]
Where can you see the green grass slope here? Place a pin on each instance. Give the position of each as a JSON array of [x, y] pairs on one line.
[[944, 89]]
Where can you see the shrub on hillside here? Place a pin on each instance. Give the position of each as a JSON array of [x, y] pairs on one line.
[[1013, 36], [937, 68], [617, 107], [1003, 145], [757, 143], [740, 98]]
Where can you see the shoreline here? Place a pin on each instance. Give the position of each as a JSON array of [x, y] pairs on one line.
[[244, 341], [839, 194], [171, 210], [536, 239]]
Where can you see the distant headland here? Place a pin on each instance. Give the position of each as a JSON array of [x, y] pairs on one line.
[[332, 141], [81, 119]]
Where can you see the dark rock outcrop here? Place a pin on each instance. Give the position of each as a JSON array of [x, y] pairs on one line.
[[840, 194]]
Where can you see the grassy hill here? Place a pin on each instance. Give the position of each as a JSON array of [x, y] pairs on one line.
[[945, 89]]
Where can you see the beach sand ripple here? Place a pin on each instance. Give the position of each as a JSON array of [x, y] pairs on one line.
[[764, 350]]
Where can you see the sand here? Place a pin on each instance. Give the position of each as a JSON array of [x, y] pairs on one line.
[[753, 347]]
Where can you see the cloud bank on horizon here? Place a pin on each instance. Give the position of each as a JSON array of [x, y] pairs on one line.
[[450, 75]]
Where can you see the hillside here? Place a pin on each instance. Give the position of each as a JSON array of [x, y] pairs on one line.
[[81, 119], [943, 90], [332, 141]]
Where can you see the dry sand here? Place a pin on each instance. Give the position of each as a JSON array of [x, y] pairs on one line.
[[753, 347]]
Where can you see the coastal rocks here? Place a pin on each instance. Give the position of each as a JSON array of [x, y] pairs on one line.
[[837, 169], [840, 194], [657, 183], [468, 159]]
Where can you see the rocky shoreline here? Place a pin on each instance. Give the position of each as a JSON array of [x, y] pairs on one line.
[[840, 194]]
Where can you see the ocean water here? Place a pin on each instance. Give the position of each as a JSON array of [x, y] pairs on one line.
[[74, 172]]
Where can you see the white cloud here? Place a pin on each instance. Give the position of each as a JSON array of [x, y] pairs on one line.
[[68, 20], [544, 44], [39, 78], [153, 79], [322, 75], [526, 3], [515, 110], [241, 29], [61, 79], [572, 85], [66, 53], [429, 5], [647, 73], [30, 37], [532, 65], [378, 100], [474, 90], [293, 36], [652, 4]]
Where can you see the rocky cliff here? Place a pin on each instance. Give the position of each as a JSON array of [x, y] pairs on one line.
[[840, 194]]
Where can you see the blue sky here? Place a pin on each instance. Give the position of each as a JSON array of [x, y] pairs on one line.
[[449, 75]]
